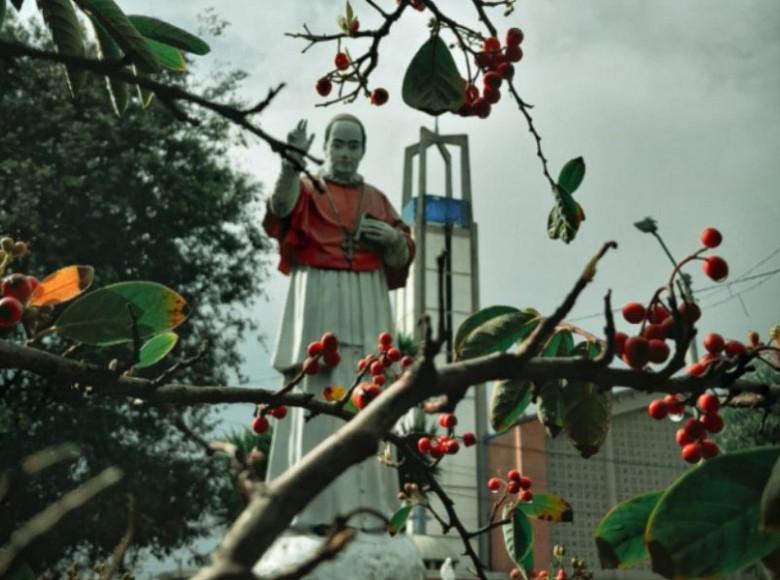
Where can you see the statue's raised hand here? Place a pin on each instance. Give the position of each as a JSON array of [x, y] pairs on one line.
[[298, 138]]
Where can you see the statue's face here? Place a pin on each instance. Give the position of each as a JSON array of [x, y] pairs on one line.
[[344, 149]]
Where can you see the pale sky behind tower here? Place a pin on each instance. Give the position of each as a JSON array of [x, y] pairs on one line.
[[673, 105]]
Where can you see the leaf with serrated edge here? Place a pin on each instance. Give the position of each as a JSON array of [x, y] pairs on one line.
[[61, 19], [169, 34], [620, 536], [707, 522], [432, 82]]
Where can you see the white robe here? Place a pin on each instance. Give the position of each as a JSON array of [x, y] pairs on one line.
[[356, 307]]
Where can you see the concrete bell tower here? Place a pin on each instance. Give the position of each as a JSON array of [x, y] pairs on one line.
[[443, 225]]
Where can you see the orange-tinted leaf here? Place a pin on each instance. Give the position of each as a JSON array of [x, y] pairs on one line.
[[334, 393], [63, 285]]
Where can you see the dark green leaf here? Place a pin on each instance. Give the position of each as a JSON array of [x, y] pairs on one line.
[[565, 217], [527, 564], [118, 25], [118, 91], [350, 12], [432, 83], [103, 317], [518, 534], [398, 521], [770, 500], [620, 537], [508, 402], [169, 57], [169, 34], [549, 404], [707, 522], [65, 29], [493, 330], [587, 411], [647, 225], [547, 507], [156, 348], [572, 174]]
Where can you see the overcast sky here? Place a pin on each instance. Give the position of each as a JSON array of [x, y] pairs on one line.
[[674, 106]]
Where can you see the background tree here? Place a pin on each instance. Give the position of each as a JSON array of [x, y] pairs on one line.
[[138, 197]]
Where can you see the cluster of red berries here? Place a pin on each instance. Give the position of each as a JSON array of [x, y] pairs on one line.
[[16, 291], [447, 444], [378, 365], [342, 62], [717, 349], [714, 267], [515, 483], [260, 422], [326, 349], [496, 64], [692, 437]]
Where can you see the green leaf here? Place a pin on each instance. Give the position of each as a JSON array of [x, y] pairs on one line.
[[549, 404], [770, 500], [169, 57], [508, 402], [341, 22], [350, 12], [102, 317], [620, 536], [518, 534], [118, 91], [572, 174], [587, 414], [169, 34], [493, 329], [707, 522], [65, 29], [432, 82], [528, 562], [647, 225], [118, 25], [156, 348], [565, 217], [398, 521], [547, 507]]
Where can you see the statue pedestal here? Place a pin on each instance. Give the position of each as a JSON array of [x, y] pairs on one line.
[[367, 557]]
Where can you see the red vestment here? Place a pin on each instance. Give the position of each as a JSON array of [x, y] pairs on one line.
[[313, 233]]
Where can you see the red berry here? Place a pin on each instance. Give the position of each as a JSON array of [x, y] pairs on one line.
[[394, 355], [696, 369], [386, 362], [506, 71], [668, 326], [657, 314], [17, 286], [485, 60], [33, 282], [436, 450], [423, 445], [694, 429], [332, 358], [494, 484], [513, 475], [634, 312], [377, 368], [561, 574], [620, 343], [448, 420], [406, 361], [324, 86], [658, 410], [735, 348], [714, 343], [341, 61], [652, 331], [675, 405], [682, 437], [354, 26], [691, 452], [658, 351], [690, 312], [525, 482], [513, 487], [492, 79], [492, 44], [379, 380], [329, 341], [364, 394], [10, 312], [514, 53], [481, 108], [469, 439], [451, 447], [314, 348], [637, 352], [712, 422], [385, 339], [709, 448], [716, 268], [311, 366], [362, 364], [514, 36], [379, 97], [279, 412], [526, 495], [260, 424], [711, 238], [708, 403], [491, 95]]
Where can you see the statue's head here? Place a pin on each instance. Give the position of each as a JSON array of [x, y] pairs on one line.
[[345, 144]]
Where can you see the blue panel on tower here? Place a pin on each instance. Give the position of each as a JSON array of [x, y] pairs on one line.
[[440, 210]]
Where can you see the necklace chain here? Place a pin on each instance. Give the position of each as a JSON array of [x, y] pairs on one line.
[[350, 235]]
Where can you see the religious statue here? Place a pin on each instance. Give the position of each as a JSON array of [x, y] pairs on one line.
[[344, 247]]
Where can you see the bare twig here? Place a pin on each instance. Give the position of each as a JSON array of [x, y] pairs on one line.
[[117, 558]]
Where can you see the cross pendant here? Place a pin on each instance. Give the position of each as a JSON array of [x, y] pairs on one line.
[[349, 246]]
